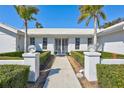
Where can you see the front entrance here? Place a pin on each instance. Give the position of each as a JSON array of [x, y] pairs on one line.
[[61, 46]]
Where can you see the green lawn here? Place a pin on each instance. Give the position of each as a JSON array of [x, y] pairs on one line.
[[10, 58], [107, 55]]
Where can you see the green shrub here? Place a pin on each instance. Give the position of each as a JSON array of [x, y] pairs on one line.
[[44, 57], [110, 76], [107, 55], [78, 56], [12, 54], [120, 56], [13, 76]]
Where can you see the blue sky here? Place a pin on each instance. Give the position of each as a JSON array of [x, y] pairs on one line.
[[61, 16]]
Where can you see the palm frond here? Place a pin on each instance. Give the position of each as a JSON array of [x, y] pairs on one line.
[[88, 11], [88, 20], [102, 15], [26, 12], [83, 17], [98, 22]]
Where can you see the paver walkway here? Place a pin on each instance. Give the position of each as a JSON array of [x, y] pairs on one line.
[[61, 75]]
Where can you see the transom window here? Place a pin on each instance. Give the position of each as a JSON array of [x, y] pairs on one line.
[[90, 41], [44, 43], [77, 43], [32, 41]]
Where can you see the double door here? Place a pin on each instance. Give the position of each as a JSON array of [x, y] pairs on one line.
[[61, 46]]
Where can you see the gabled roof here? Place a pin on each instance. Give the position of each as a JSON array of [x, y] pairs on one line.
[[112, 29], [59, 31], [10, 28]]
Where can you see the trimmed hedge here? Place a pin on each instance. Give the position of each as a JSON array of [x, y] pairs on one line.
[[44, 56], [13, 76], [78, 56], [12, 54], [110, 76], [108, 55]]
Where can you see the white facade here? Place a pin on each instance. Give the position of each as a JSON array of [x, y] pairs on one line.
[[51, 43], [7, 41], [10, 39], [112, 39], [109, 40]]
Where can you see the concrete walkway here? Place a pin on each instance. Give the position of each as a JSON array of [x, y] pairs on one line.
[[62, 75]]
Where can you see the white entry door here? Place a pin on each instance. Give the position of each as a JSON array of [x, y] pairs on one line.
[[61, 46]]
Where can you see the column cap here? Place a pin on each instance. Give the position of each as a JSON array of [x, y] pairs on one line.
[[92, 53], [30, 55]]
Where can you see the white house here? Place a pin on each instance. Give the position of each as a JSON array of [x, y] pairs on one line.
[[11, 39], [62, 40]]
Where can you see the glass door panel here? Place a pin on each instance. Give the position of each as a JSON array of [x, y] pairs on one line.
[[58, 46], [64, 46]]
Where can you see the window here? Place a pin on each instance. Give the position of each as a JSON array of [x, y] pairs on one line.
[[44, 43], [77, 43], [32, 41], [90, 41]]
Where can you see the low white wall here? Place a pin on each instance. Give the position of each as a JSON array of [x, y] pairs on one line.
[[93, 58], [30, 59], [112, 61], [18, 62]]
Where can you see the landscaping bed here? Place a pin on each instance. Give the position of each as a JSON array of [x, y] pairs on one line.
[[11, 56], [78, 56], [13, 76], [44, 56], [110, 76], [83, 81]]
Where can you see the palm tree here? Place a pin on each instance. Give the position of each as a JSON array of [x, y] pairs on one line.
[[94, 12], [26, 13], [38, 25]]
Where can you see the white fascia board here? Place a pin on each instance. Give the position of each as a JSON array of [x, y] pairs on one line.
[[60, 31], [112, 29], [10, 28]]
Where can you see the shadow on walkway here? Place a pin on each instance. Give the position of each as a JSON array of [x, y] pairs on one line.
[[52, 72]]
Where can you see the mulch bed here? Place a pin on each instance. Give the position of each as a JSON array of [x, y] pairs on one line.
[[44, 71], [83, 81]]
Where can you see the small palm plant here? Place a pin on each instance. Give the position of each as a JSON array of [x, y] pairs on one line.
[[26, 13], [38, 25], [94, 12]]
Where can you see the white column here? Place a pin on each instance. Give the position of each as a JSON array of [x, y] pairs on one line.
[[61, 46], [32, 59], [91, 59]]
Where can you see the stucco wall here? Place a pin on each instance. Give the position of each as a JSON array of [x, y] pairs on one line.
[[20, 42], [7, 41], [113, 42], [83, 43], [112, 61]]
